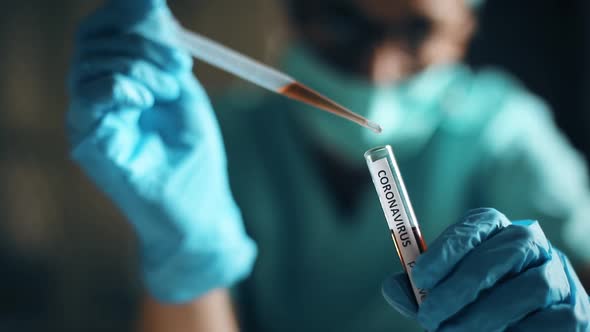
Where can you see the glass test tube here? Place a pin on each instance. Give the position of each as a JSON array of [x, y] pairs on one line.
[[398, 210]]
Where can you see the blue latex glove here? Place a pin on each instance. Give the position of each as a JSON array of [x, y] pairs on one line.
[[143, 129], [488, 274]]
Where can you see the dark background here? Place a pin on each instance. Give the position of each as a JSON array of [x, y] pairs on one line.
[[546, 44], [67, 259]]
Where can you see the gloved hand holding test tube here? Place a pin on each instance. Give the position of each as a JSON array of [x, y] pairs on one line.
[[250, 70], [520, 263], [397, 209]]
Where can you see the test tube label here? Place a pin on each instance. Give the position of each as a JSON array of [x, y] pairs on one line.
[[396, 215]]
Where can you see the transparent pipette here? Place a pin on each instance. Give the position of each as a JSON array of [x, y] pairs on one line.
[[253, 71]]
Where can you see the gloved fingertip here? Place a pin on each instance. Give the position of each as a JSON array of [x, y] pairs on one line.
[[165, 88], [533, 230], [528, 222], [487, 221], [136, 94], [397, 291], [180, 61], [478, 212]]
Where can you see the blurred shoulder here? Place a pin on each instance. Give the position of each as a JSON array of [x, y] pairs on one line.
[[519, 117], [510, 93], [495, 102]]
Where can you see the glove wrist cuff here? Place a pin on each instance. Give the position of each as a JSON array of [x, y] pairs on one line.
[[189, 274]]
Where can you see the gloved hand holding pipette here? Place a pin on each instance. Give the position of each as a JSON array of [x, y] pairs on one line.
[[486, 273], [215, 54], [142, 128]]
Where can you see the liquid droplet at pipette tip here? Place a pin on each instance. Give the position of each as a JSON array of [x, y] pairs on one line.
[[374, 127]]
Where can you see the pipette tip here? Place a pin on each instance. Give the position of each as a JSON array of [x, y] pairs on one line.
[[374, 127]]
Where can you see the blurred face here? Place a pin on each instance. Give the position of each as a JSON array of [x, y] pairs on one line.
[[383, 40]]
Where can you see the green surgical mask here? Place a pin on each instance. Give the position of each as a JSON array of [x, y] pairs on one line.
[[409, 112]]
